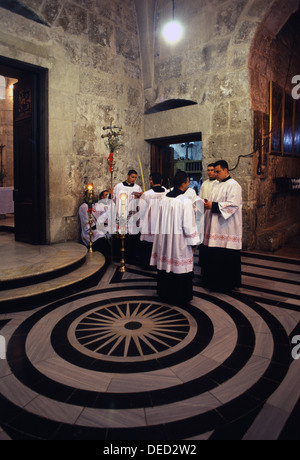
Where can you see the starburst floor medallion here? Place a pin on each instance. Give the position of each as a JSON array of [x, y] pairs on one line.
[[132, 330]]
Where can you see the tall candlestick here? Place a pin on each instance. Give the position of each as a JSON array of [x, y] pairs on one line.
[[123, 229], [90, 188], [123, 217]]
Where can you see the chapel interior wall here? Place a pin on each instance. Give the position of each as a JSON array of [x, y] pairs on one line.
[[274, 56], [210, 67], [106, 61], [91, 51]]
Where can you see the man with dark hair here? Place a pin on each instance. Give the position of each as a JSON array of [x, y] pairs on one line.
[[149, 205], [176, 236], [134, 191], [155, 180], [221, 268], [208, 183], [181, 179], [105, 194], [224, 165]]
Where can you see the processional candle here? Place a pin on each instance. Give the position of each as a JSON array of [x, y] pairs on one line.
[[123, 198]]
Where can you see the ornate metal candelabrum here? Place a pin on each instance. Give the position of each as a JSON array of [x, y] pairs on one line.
[[123, 229], [90, 196], [112, 143]]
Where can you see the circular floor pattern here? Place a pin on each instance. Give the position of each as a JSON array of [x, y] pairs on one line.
[[132, 331], [117, 365]]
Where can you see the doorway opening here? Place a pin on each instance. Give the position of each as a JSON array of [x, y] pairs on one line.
[[184, 152], [7, 217], [24, 150]]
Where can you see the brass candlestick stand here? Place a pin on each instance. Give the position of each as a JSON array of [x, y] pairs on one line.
[[91, 233], [123, 229], [122, 268], [90, 188]]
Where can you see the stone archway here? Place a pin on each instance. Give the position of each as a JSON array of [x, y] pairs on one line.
[[260, 67], [274, 56], [20, 7]]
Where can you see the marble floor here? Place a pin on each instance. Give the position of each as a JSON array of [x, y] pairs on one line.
[[113, 362], [7, 221], [31, 273]]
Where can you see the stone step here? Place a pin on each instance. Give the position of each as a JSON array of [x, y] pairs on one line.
[[31, 275], [24, 264], [31, 294]]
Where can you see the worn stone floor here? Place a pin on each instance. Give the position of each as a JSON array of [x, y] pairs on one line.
[[112, 362]]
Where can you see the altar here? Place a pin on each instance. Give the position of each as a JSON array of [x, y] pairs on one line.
[[6, 200]]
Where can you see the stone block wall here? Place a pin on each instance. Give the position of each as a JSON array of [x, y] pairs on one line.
[[213, 66], [210, 67], [6, 133], [274, 55], [91, 51], [107, 59]]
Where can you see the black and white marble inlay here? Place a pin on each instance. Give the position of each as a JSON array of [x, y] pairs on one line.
[[116, 363], [133, 331]]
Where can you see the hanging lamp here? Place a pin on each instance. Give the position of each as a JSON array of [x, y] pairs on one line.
[[172, 31]]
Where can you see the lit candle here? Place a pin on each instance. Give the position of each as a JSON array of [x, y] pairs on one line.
[[123, 198], [90, 188]]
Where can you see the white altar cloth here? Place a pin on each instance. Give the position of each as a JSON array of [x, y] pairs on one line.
[[6, 200]]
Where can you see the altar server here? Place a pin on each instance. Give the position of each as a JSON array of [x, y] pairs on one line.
[[133, 192], [223, 232], [99, 234], [176, 236], [208, 183], [149, 206], [105, 212]]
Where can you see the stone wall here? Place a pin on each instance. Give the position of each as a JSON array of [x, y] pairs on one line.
[[91, 50], [274, 55], [210, 66], [6, 133], [107, 59]]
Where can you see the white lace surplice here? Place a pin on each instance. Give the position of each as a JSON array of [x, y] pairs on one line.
[[131, 204], [224, 229], [176, 233], [149, 208]]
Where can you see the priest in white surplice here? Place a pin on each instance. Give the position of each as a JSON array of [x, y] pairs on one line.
[[133, 192], [176, 236], [100, 232], [149, 206], [223, 232], [208, 183]]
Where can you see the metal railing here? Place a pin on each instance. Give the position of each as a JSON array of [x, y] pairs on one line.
[[189, 166]]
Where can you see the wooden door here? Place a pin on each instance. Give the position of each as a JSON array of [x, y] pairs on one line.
[[27, 161], [162, 161]]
